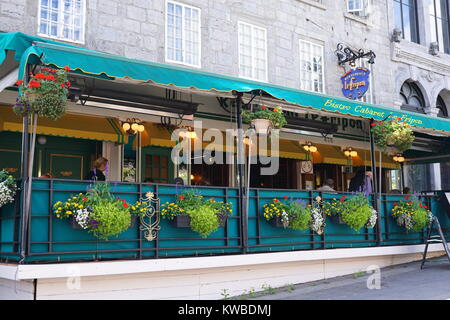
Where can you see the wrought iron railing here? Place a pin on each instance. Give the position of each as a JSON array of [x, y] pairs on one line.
[[52, 240]]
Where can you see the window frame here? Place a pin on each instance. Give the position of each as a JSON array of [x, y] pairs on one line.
[[313, 43], [417, 25], [434, 17], [442, 107], [253, 64], [419, 96], [61, 23], [183, 37]]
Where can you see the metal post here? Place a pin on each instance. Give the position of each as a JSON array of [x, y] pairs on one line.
[[241, 171], [376, 189]]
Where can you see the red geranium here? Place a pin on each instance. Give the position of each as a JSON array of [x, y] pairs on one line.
[[181, 197], [343, 198], [406, 198], [62, 85], [399, 119], [275, 200], [50, 78], [275, 110], [40, 76], [264, 107], [67, 68], [84, 199], [19, 82], [286, 197], [426, 207], [68, 83], [125, 205], [373, 124], [34, 84]]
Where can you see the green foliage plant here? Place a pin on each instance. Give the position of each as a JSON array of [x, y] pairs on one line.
[[357, 211], [275, 116], [204, 220], [299, 215], [109, 219]]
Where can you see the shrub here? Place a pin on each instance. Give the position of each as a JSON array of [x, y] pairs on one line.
[[204, 220], [411, 214]]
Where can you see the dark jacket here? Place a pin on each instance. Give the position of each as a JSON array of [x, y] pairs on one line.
[[96, 175]]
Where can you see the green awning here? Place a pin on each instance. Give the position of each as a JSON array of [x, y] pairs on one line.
[[95, 63]]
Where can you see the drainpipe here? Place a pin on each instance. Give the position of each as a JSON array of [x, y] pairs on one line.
[[241, 172]]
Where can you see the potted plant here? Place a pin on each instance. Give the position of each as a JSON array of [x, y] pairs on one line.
[[411, 214], [356, 212], [191, 210], [8, 188], [264, 118], [45, 94], [275, 213], [296, 215], [396, 133], [97, 211]]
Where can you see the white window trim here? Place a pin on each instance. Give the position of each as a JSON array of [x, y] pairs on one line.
[[82, 41], [266, 75], [363, 12], [323, 64], [183, 35]]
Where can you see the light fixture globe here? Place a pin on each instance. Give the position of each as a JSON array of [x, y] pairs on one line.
[[353, 153], [134, 127], [313, 149], [126, 126], [141, 128]]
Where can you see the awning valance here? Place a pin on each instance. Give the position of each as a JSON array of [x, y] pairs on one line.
[[73, 126], [95, 63]]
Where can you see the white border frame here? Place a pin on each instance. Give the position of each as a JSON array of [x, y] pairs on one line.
[[253, 53], [199, 66], [84, 23]]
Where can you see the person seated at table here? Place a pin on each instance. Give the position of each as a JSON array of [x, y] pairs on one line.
[[100, 167], [327, 186]]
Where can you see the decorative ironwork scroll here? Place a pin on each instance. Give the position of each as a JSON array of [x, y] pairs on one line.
[[149, 226]]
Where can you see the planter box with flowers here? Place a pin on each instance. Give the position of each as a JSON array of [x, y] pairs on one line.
[[45, 94], [296, 215], [264, 118], [356, 212], [191, 210], [395, 133], [8, 188], [98, 212], [411, 214]]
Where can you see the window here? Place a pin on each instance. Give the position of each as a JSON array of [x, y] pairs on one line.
[[368, 96], [252, 52], [311, 64], [358, 7], [440, 104], [183, 34], [62, 19], [439, 20], [412, 97], [406, 19]]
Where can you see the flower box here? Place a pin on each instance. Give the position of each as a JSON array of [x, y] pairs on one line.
[[337, 219], [74, 224], [181, 221], [276, 222], [184, 221]]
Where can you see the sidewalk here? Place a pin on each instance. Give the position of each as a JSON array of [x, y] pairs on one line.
[[403, 282]]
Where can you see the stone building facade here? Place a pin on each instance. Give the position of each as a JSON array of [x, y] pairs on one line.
[[138, 29]]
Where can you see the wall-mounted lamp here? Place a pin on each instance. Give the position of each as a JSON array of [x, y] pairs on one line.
[[350, 153], [399, 158], [309, 147], [132, 126]]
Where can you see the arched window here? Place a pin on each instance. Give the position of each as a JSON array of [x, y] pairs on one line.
[[412, 97], [440, 104]]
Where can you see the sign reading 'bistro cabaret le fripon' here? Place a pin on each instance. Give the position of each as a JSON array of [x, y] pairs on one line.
[[355, 83]]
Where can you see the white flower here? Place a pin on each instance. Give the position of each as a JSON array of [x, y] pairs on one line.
[[317, 222], [372, 220], [7, 193], [82, 218]]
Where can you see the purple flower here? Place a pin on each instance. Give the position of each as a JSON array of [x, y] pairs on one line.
[[94, 224]]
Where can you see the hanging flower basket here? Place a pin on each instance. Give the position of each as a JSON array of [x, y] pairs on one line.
[[261, 125], [393, 133], [263, 118], [45, 94], [411, 214]]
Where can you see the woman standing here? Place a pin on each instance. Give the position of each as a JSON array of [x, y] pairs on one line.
[[361, 182], [100, 166]]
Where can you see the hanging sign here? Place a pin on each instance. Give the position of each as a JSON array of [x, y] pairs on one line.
[[355, 83]]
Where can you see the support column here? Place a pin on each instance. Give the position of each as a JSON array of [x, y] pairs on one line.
[[376, 187]]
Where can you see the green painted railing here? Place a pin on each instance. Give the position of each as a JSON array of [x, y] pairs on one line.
[[52, 240]]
